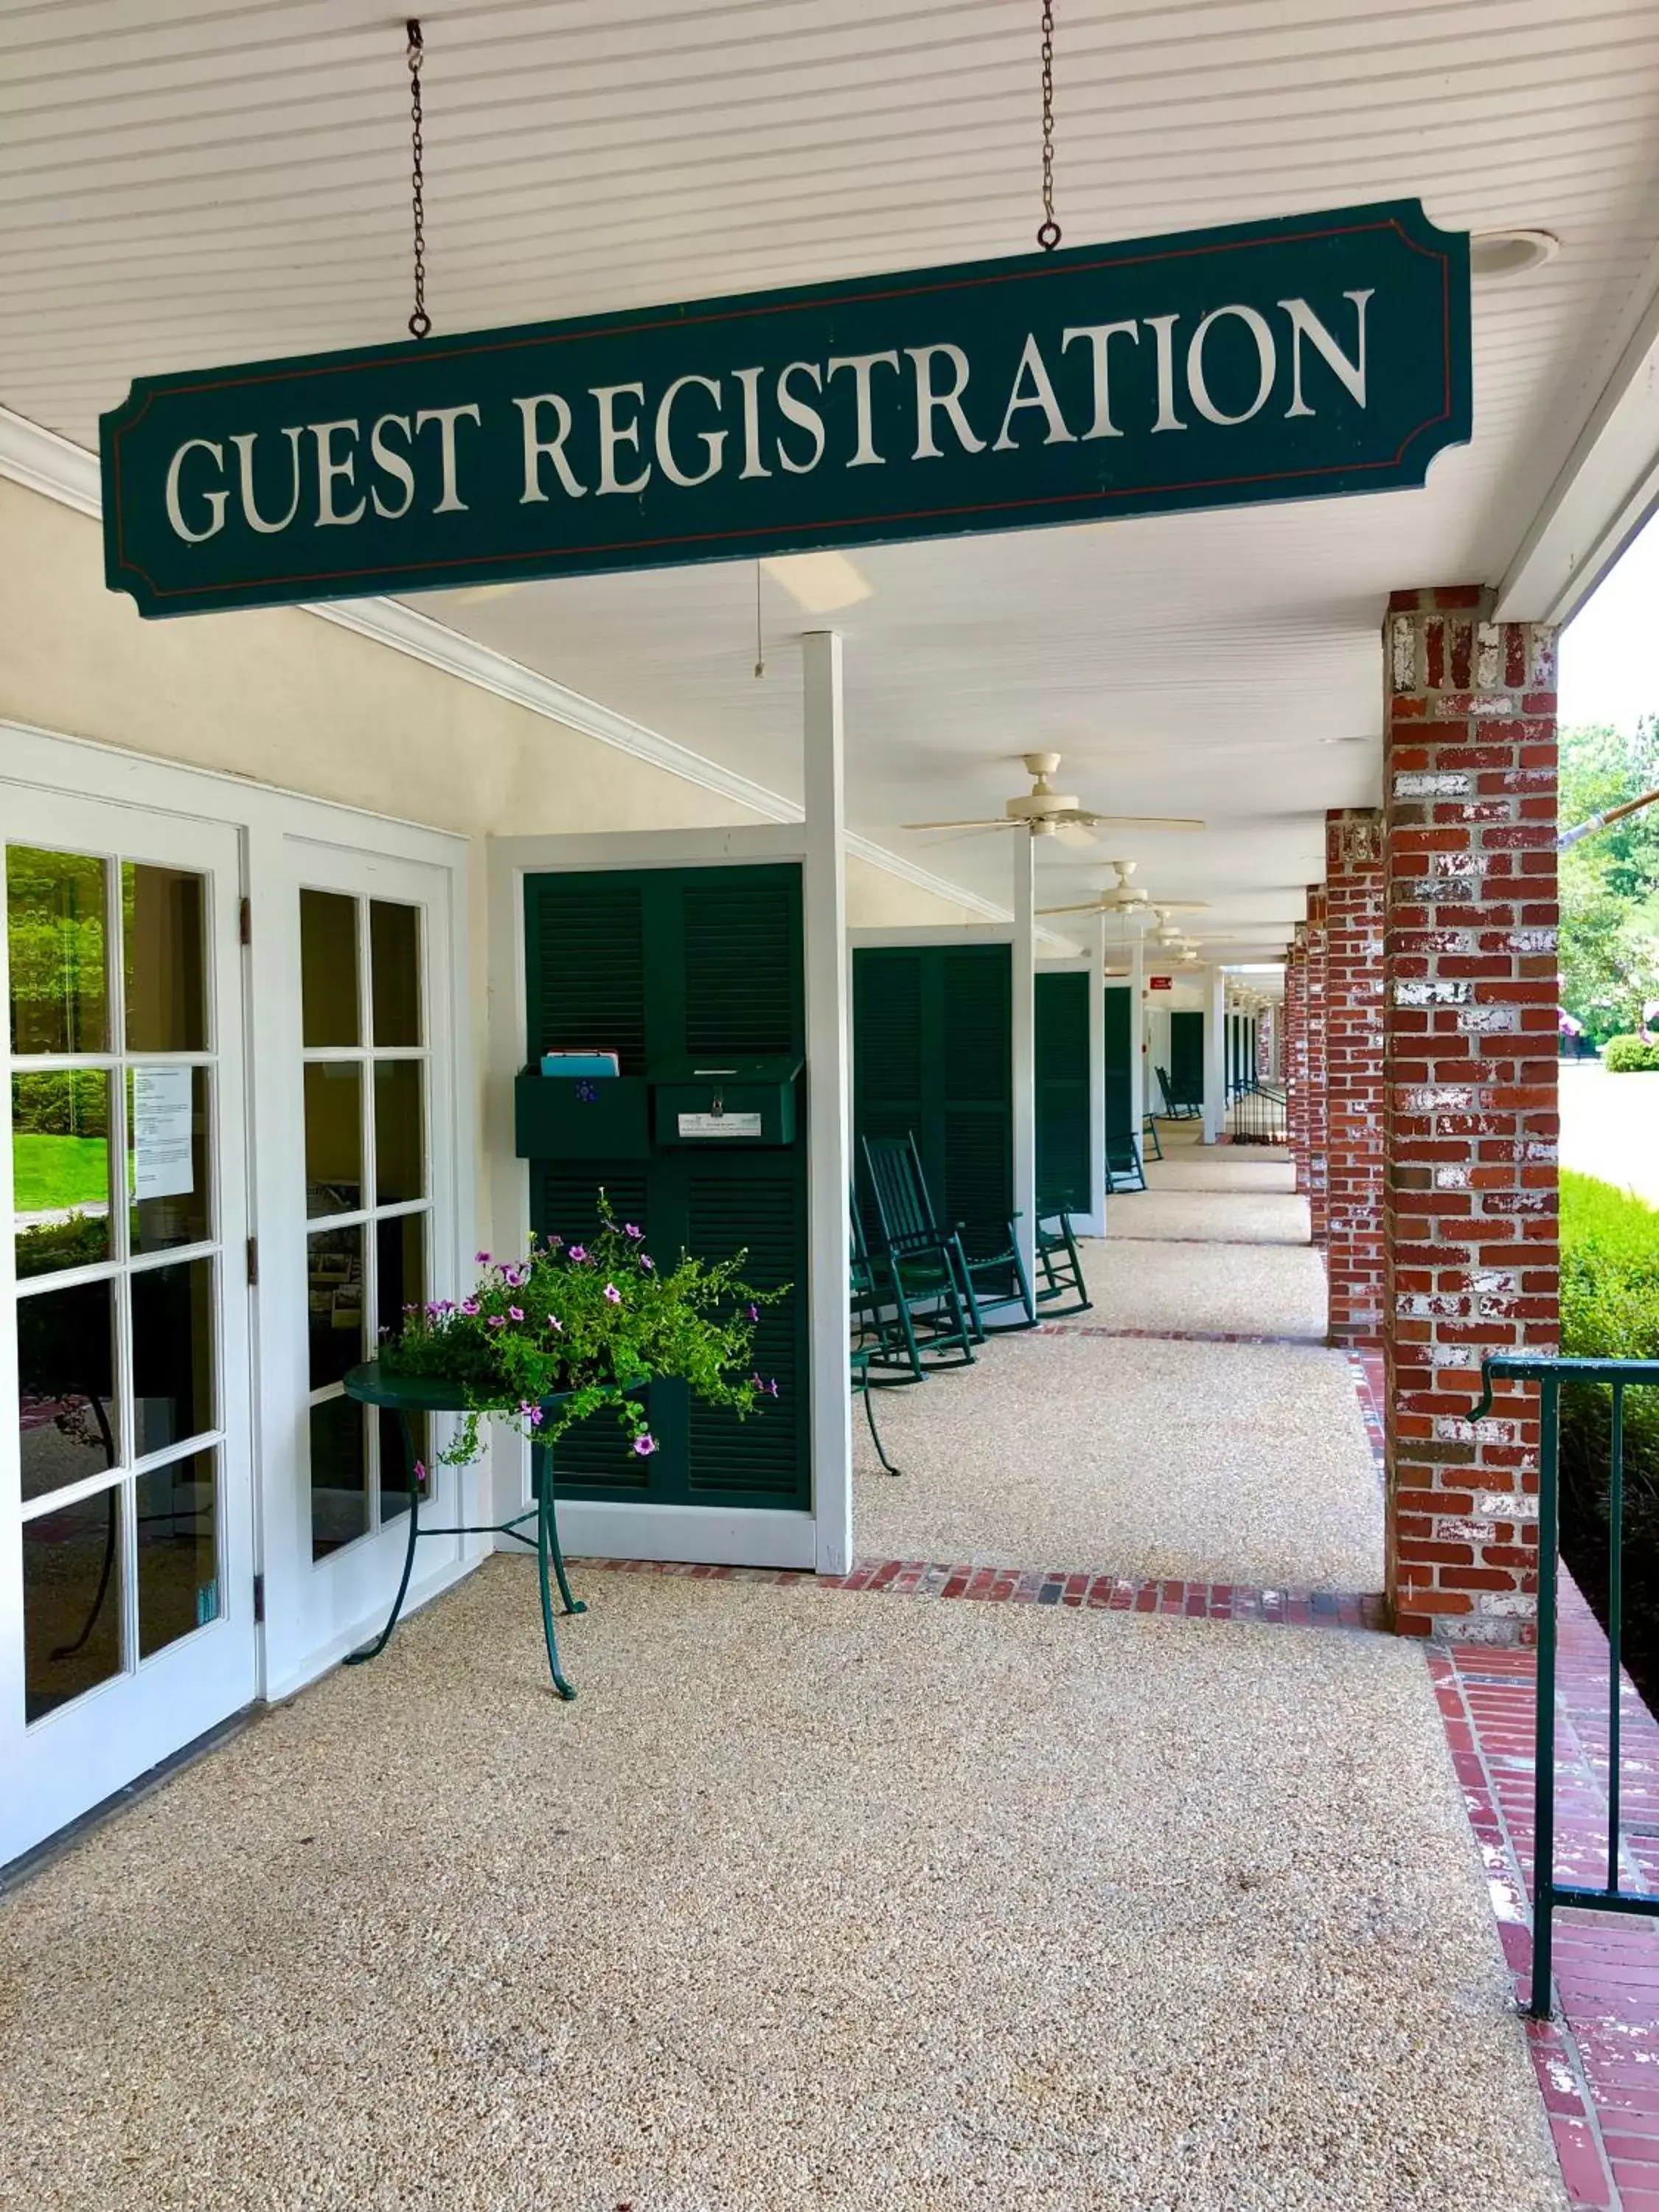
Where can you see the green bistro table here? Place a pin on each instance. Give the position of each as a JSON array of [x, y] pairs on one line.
[[403, 1394]]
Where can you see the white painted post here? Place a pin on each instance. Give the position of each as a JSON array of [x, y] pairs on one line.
[[1024, 1048], [828, 1107], [1215, 1064], [1094, 1223], [1137, 1028]]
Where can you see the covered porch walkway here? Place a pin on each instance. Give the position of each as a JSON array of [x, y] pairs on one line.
[[821, 1896], [1190, 1427]]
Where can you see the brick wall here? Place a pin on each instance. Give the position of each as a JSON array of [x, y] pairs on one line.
[[1470, 1198], [1295, 1052], [1315, 1115], [1353, 1075]]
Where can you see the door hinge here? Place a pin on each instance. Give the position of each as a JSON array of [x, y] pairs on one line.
[[259, 1598], [252, 1261], [245, 922]]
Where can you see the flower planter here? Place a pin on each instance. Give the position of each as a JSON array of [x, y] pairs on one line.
[[374, 1384]]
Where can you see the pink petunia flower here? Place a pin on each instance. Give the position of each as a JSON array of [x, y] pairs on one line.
[[469, 1305], [578, 1252], [648, 1263], [613, 1294], [632, 1229], [754, 1313], [515, 1313], [482, 1258], [498, 1321], [644, 1446], [554, 1322]]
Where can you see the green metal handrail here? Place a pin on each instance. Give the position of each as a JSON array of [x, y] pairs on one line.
[[1550, 1372]]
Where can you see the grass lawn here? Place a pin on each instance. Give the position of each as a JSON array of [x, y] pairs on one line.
[[49, 1173]]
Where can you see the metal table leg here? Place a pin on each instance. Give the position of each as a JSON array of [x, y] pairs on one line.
[[547, 1541], [374, 1650]]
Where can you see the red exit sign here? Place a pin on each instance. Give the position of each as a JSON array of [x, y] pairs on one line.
[[1160, 982]]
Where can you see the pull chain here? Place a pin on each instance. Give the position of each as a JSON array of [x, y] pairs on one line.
[[1047, 235], [420, 323]]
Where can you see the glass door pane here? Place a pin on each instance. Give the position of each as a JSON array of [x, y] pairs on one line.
[[117, 1305], [367, 1188]]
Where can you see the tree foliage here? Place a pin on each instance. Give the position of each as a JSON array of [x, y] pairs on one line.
[[1610, 882]]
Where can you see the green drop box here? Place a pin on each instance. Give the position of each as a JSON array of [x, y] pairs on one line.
[[710, 1100], [576, 1118]]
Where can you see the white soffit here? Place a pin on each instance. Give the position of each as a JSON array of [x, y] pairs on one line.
[[186, 182]]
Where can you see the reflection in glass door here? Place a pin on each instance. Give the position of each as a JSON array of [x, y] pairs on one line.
[[368, 1190], [122, 1426]]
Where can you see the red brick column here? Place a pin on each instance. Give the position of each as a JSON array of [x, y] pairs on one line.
[[1353, 1075], [1470, 1129], [1295, 1052], [1316, 1117]]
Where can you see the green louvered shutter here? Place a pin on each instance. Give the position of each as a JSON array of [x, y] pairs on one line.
[[658, 963], [585, 966], [1187, 1058], [742, 981], [1063, 1090], [759, 1203], [887, 988], [973, 985], [1119, 1045], [933, 1044]]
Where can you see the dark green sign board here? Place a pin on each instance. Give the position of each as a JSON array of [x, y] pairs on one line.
[[1326, 353]]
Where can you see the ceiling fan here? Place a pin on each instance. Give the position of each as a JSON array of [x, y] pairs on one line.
[[1046, 813], [1126, 897]]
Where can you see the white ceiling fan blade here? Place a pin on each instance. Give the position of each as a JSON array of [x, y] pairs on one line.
[[981, 822], [1183, 906], [1074, 833], [1089, 906], [1142, 822]]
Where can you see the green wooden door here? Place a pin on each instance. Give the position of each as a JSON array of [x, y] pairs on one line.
[[1061, 1022], [650, 964], [932, 1054], [1187, 1058]]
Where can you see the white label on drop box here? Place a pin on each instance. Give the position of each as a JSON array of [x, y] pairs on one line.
[[719, 1125], [162, 1165]]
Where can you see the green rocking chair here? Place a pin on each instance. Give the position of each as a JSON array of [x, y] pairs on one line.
[[983, 1256]]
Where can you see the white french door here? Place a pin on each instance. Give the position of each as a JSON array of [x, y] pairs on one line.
[[126, 1519], [357, 1207]]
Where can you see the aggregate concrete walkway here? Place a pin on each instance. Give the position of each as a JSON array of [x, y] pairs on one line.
[[1100, 1447], [1201, 1463], [814, 1900]]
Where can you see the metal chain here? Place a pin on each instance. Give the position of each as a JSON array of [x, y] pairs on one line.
[[420, 323], [1048, 230]]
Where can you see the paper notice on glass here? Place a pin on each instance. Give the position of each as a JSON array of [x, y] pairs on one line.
[[162, 1165]]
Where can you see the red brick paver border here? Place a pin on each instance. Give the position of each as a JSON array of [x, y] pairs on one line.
[[1598, 2059], [1099, 1593]]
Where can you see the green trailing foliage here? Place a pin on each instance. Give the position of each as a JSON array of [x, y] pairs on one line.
[[1630, 1056], [596, 1321]]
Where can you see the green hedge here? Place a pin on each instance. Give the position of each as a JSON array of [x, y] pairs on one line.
[[1610, 1310], [1630, 1056]]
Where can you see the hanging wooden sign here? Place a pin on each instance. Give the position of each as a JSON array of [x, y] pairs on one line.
[[1323, 355]]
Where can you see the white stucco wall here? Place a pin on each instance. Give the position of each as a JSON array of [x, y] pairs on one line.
[[279, 697]]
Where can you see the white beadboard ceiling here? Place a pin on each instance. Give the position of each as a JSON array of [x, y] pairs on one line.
[[186, 182]]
